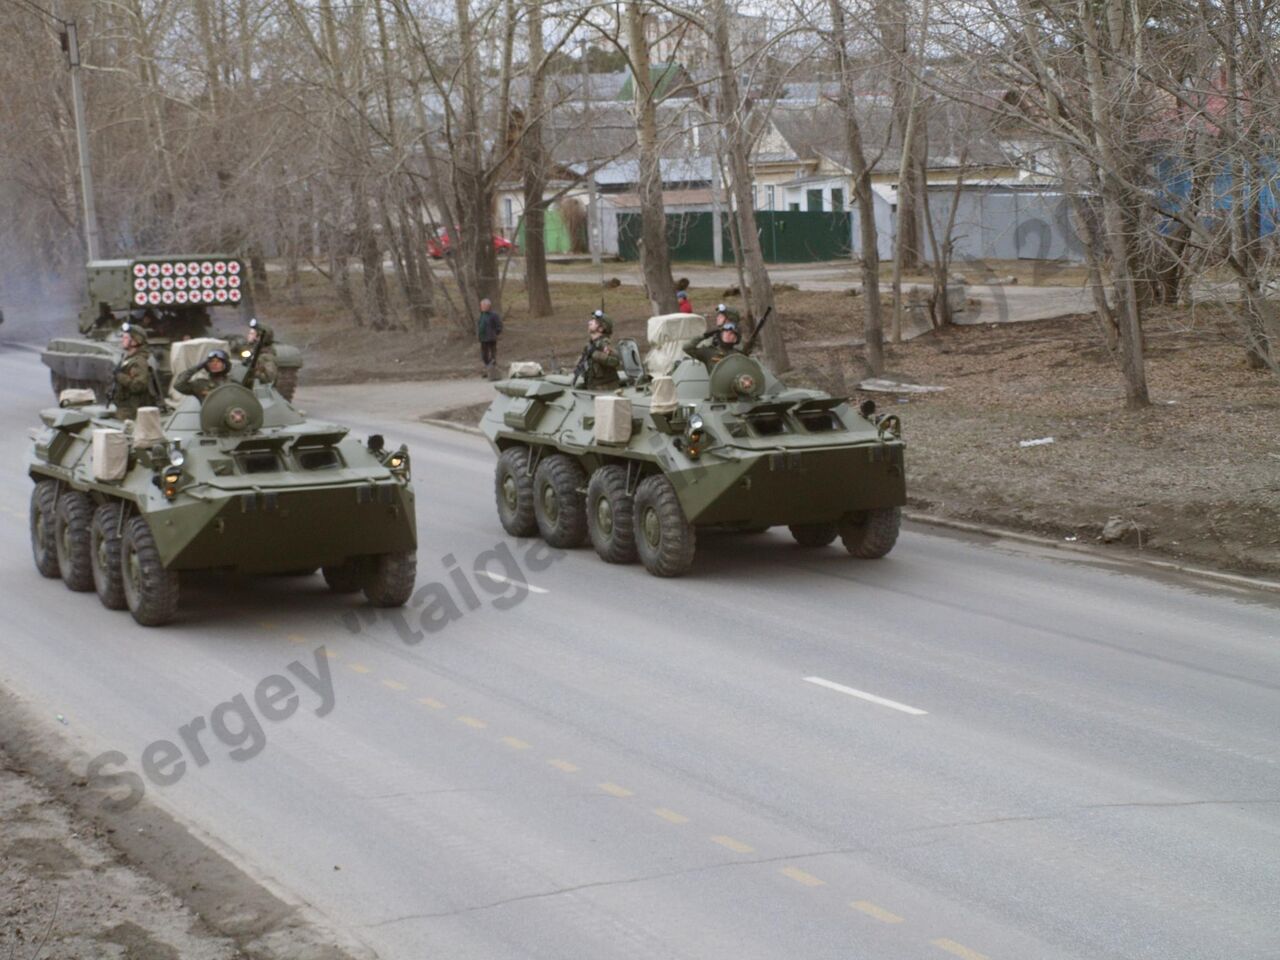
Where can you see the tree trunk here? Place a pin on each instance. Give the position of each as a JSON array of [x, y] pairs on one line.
[[655, 257], [533, 154], [873, 324], [731, 114]]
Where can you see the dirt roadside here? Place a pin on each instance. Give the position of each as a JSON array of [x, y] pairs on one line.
[[80, 883]]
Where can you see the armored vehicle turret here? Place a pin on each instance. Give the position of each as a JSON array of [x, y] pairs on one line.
[[240, 481], [172, 298], [687, 445]]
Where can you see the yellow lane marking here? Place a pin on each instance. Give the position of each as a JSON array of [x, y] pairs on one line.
[[670, 815], [802, 877], [616, 790], [296, 638], [737, 846], [394, 685], [564, 765], [331, 654], [429, 702], [871, 910], [358, 667], [473, 722], [515, 743], [958, 949]]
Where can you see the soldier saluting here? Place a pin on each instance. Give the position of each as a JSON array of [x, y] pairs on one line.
[[132, 384], [599, 363], [713, 348], [202, 380]]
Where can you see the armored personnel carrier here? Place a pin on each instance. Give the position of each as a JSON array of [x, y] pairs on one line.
[[239, 482], [683, 447], [172, 298]]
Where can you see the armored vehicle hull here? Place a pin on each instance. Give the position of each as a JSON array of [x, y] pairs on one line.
[[240, 483], [88, 361], [682, 448]]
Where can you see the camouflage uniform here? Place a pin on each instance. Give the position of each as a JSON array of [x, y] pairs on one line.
[[267, 369], [199, 382], [133, 386], [602, 366], [709, 349]]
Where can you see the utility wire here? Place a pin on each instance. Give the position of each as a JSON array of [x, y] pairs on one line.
[[40, 10]]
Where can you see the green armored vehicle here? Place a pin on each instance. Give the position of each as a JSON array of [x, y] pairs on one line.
[[240, 481], [172, 298], [685, 446]]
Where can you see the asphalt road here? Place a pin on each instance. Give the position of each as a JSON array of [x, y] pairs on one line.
[[1065, 760]]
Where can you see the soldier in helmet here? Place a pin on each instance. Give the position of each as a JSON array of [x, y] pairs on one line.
[[598, 366], [713, 348], [202, 380], [133, 385], [267, 369]]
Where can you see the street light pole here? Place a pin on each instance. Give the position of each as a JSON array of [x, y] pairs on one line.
[[71, 44]]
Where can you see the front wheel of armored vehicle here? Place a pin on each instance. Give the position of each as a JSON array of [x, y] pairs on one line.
[[665, 539], [513, 487], [872, 533], [71, 539], [391, 577], [105, 534], [611, 515], [150, 590], [558, 501], [347, 577], [814, 534], [44, 540]]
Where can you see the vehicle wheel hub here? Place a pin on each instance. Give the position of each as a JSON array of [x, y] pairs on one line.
[[550, 504], [510, 495], [604, 516], [652, 527]]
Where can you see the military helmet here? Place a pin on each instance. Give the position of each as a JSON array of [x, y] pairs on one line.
[[601, 318], [265, 333], [220, 355], [729, 326], [136, 333]]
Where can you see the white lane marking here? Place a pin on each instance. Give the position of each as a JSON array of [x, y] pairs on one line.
[[869, 697], [499, 578]]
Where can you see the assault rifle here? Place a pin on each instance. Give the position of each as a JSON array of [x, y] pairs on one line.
[[756, 333]]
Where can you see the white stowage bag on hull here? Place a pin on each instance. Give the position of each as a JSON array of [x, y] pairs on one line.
[[667, 334], [147, 430], [110, 455], [613, 419], [525, 368], [663, 396], [76, 397]]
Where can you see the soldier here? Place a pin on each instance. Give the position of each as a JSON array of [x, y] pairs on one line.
[[599, 363], [267, 369], [202, 380], [715, 347], [133, 385]]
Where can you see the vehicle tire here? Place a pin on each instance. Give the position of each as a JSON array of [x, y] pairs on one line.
[[513, 488], [349, 576], [872, 533], [43, 522], [814, 534], [287, 382], [390, 579], [665, 539], [104, 556], [71, 538], [559, 503], [611, 515], [150, 590]]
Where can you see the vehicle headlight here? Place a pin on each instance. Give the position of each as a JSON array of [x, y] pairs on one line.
[[246, 353], [176, 459], [169, 481], [398, 462]]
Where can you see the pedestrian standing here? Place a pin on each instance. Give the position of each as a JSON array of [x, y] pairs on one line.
[[488, 329], [682, 302]]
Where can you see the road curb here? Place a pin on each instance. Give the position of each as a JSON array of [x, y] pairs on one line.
[[1094, 552], [1005, 533], [450, 425]]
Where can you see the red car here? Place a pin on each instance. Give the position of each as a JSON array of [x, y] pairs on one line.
[[440, 246]]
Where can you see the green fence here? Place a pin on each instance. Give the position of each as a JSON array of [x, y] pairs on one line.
[[555, 232], [785, 236]]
